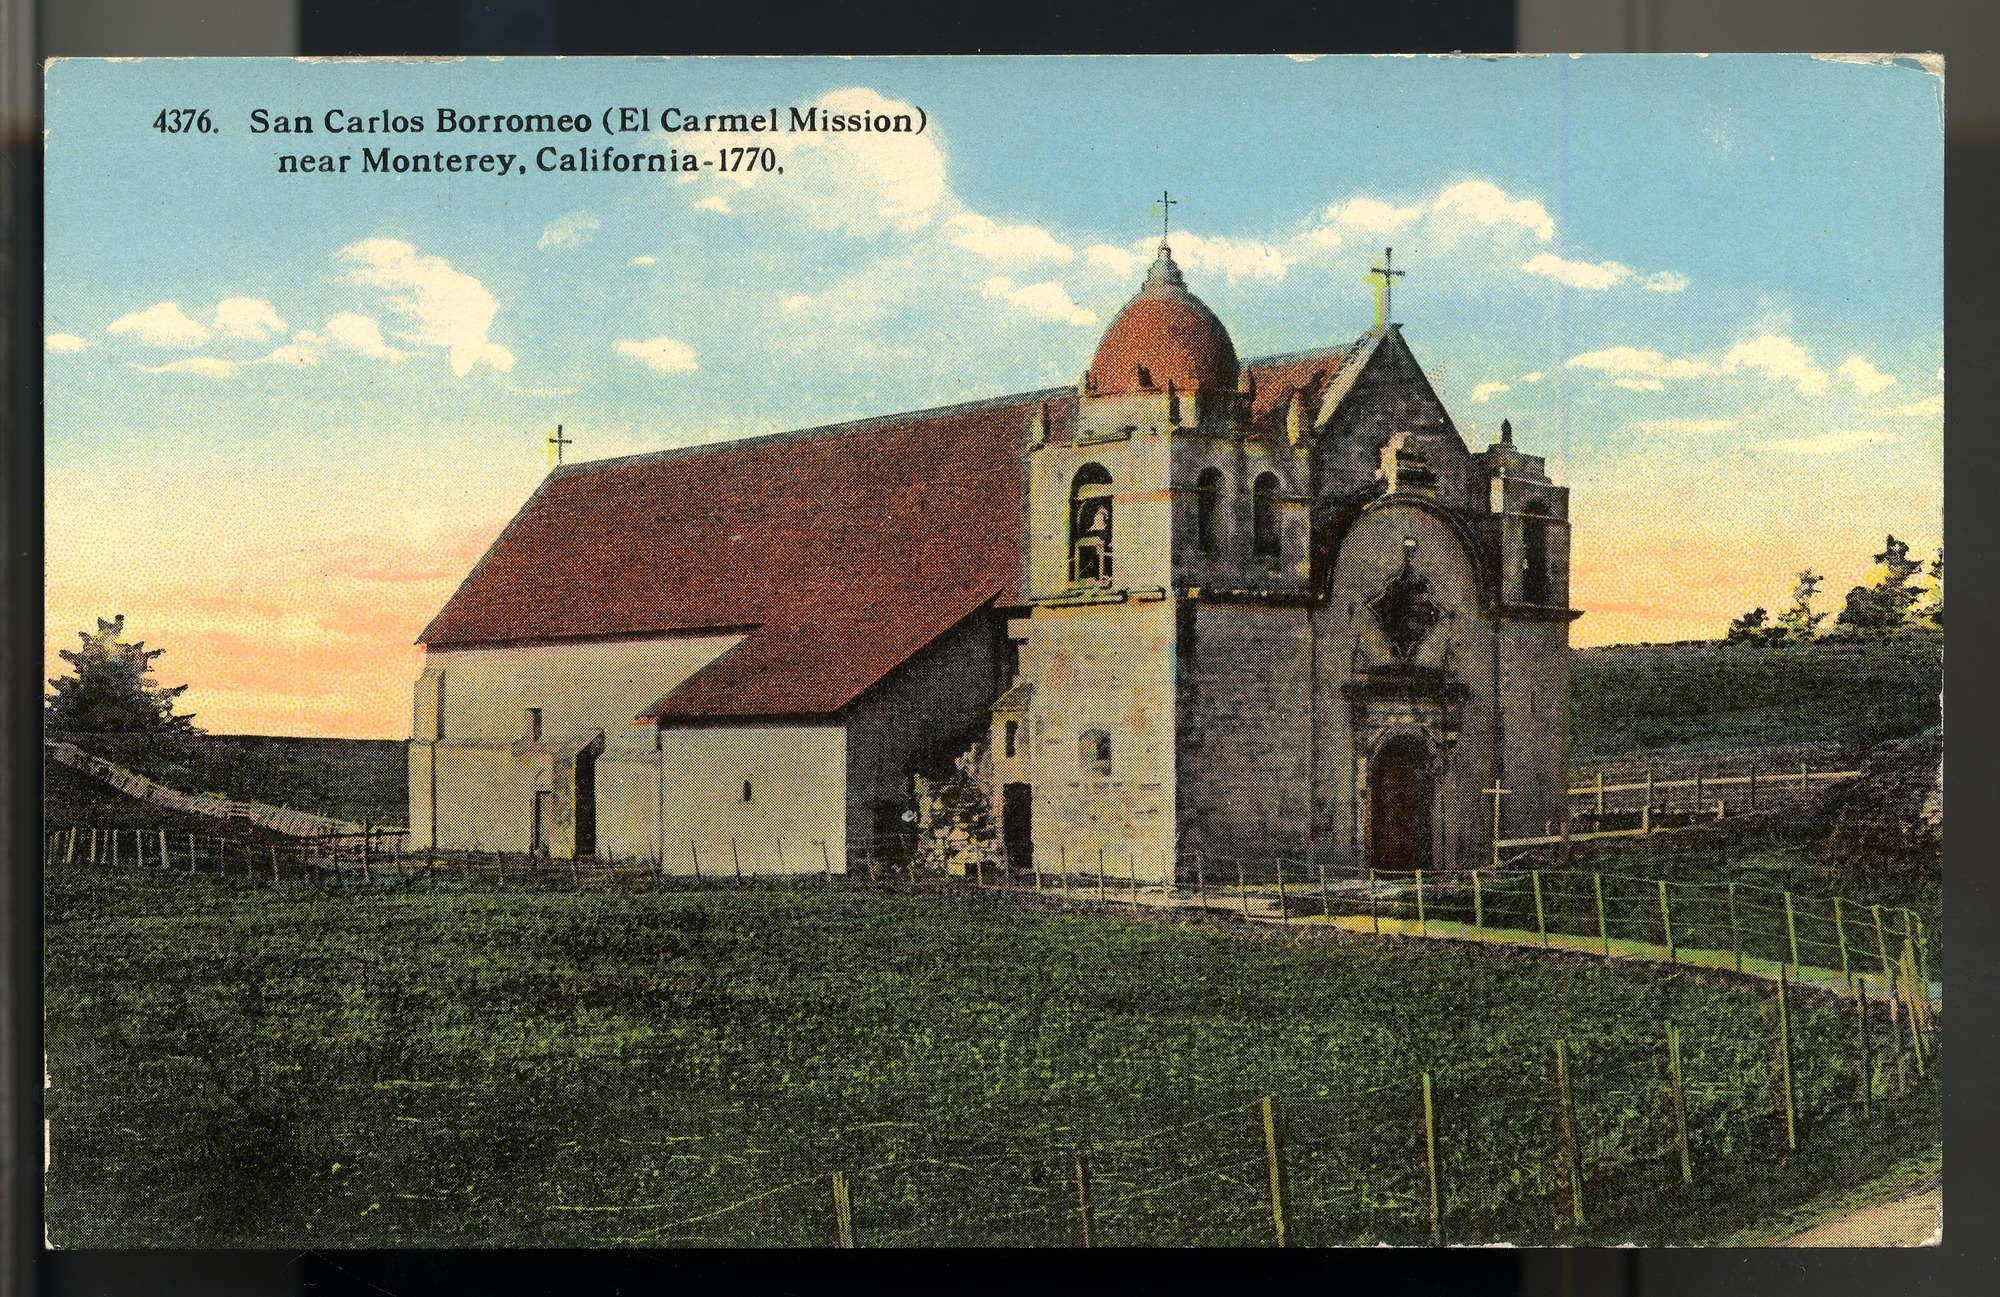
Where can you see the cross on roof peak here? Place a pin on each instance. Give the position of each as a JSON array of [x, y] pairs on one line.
[[1383, 276]]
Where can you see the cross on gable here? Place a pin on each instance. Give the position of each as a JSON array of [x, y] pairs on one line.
[[559, 441], [1383, 276]]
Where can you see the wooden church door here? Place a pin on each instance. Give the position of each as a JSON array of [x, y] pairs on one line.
[[1400, 792]]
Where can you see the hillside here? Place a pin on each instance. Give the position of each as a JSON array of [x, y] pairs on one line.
[[362, 780], [1702, 697]]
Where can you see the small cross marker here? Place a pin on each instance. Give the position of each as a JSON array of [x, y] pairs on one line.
[[1166, 214], [1383, 277], [557, 442]]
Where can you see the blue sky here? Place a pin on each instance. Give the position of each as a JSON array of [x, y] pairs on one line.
[[286, 413]]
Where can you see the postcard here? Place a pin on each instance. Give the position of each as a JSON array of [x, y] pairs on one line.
[[1086, 652]]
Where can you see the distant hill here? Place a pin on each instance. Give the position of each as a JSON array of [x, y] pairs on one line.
[[362, 780], [1703, 696]]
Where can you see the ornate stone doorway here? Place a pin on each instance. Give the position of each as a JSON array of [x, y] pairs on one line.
[[1401, 791]]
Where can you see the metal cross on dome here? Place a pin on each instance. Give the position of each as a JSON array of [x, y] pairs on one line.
[[1166, 214]]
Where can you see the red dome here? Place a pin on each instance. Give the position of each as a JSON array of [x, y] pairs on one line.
[[1163, 336]]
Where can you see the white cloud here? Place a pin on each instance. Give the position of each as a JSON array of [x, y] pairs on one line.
[[1488, 204], [1640, 384], [647, 259], [1640, 363], [571, 231], [1121, 263], [1234, 258], [1686, 427], [1777, 357], [666, 355], [1534, 377], [440, 306], [1593, 276], [1596, 276], [1371, 214], [1015, 244], [163, 324], [1866, 379], [252, 318], [1929, 405], [1048, 300], [361, 333], [304, 349], [64, 344], [1485, 390], [1825, 443], [713, 203], [206, 366]]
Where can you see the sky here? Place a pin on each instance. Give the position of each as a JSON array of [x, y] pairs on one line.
[[286, 413]]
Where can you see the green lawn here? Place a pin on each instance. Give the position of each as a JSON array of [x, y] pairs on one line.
[[287, 1067]]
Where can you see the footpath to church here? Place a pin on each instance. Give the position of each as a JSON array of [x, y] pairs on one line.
[[1911, 1220]]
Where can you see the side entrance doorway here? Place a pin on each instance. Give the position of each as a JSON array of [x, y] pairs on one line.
[[1401, 790], [1017, 802]]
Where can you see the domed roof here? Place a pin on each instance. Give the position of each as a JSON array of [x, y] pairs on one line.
[[1164, 335]]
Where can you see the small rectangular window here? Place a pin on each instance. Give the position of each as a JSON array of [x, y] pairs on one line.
[[534, 722], [748, 794], [1013, 732]]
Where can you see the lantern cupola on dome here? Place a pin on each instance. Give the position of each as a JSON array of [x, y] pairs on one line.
[[1165, 338]]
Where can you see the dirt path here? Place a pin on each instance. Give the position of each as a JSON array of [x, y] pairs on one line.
[[1913, 1220]]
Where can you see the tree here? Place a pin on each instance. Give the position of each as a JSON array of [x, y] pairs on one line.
[[1884, 605], [110, 689], [1932, 613], [1752, 627], [1798, 624]]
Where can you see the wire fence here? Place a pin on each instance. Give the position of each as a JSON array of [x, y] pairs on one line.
[[1587, 1141]]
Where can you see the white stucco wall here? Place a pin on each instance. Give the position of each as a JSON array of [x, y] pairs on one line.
[[797, 775]]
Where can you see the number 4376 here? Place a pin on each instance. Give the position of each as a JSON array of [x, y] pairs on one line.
[[179, 121]]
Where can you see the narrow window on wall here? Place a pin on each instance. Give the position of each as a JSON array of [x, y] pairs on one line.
[[534, 722], [1264, 517], [1535, 554], [1013, 733], [747, 794], [1094, 752], [1090, 524], [1208, 511]]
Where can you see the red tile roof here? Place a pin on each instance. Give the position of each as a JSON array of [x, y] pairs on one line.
[[1276, 379], [842, 551]]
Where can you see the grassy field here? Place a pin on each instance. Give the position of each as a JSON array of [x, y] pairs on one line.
[[1704, 697], [284, 1067], [362, 780]]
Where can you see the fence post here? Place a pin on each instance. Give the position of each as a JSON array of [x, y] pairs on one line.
[[1667, 923], [1284, 914], [1423, 928], [1100, 873], [1571, 1146], [1080, 1176], [1132, 872], [114, 869], [1840, 936], [735, 859], [843, 1212], [274, 863], [1374, 915], [1603, 932], [1431, 1165], [826, 860], [1753, 785], [1896, 1037], [1478, 909], [1913, 936], [1646, 815], [1541, 920], [1035, 864], [1201, 880], [1863, 1050], [694, 853], [1785, 1063], [1600, 797], [781, 854], [1735, 946], [1792, 930], [1680, 1100], [163, 853], [1881, 948], [1242, 890], [1912, 1003], [1271, 1166], [1325, 904], [69, 852]]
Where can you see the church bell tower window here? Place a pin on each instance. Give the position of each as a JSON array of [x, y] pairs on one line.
[[1264, 517], [1090, 525], [1208, 511], [1535, 554]]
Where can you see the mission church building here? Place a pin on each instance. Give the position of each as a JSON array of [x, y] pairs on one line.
[[1187, 605]]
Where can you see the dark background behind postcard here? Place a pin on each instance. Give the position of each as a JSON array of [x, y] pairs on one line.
[[1964, 32]]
